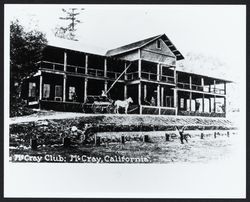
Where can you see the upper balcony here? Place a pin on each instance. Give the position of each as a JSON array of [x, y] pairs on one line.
[[72, 69], [199, 83]]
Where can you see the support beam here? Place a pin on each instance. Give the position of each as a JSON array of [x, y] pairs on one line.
[[176, 101], [64, 87], [214, 104], [85, 89], [175, 76], [105, 68], [158, 95], [214, 86], [203, 103], [64, 76], [202, 83], [125, 92], [41, 87], [190, 101], [86, 63], [145, 91], [105, 86], [158, 72], [225, 88], [139, 93], [225, 105], [210, 105], [139, 68], [162, 96], [190, 82]]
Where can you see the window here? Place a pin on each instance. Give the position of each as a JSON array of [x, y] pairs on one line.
[[58, 92], [158, 44], [46, 90], [72, 91], [32, 89]]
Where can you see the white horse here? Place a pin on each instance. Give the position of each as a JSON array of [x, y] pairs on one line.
[[122, 104]]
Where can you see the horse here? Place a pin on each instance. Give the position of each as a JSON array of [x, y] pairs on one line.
[[122, 104]]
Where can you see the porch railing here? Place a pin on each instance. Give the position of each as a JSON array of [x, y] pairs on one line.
[[200, 88], [78, 69]]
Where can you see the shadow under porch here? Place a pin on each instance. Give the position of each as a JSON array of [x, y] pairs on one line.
[[199, 104]]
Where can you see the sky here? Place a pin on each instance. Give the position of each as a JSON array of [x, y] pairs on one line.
[[211, 30]]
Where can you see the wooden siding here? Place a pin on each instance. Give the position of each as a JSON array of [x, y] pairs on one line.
[[157, 58], [130, 56]]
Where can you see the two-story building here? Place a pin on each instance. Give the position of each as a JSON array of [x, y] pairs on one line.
[[69, 74]]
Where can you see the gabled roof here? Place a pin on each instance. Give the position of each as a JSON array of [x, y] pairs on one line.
[[144, 42]]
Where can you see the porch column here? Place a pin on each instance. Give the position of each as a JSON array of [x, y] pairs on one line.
[[176, 101], [162, 96], [190, 101], [202, 83], [225, 103], [203, 103], [139, 97], [158, 72], [225, 88], [214, 104], [190, 82], [41, 87], [64, 87], [86, 63], [139, 93], [145, 91], [125, 85], [139, 68], [85, 89], [125, 92], [105, 86], [158, 95], [64, 76], [105, 67], [214, 86], [210, 110], [175, 76]]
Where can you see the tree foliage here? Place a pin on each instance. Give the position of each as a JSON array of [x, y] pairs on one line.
[[25, 51]]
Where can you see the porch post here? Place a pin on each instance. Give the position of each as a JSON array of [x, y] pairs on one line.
[[190, 101], [214, 103], [214, 86], [190, 82], [139, 97], [139, 93], [225, 102], [139, 68], [158, 95], [203, 107], [85, 89], [41, 87], [125, 85], [105, 67], [162, 96], [145, 91], [105, 86], [158, 72], [202, 83], [64, 87], [210, 110], [175, 76], [225, 88], [86, 64], [176, 101], [64, 76]]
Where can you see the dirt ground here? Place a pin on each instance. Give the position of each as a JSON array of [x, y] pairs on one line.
[[50, 128]]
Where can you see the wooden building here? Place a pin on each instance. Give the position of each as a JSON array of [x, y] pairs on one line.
[[144, 70]]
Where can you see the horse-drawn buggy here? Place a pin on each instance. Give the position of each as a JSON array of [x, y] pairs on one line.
[[98, 104]]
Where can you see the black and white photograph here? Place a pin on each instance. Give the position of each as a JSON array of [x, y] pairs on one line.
[[125, 100]]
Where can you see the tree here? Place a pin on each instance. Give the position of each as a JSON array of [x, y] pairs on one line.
[[25, 51], [68, 32]]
